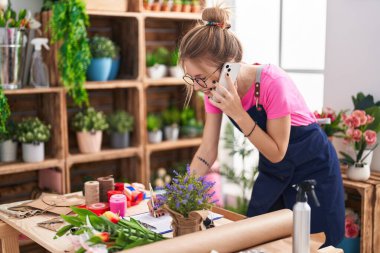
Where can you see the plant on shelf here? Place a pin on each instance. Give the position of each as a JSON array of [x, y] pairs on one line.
[[154, 125], [115, 64], [8, 143], [68, 25], [190, 127], [195, 6], [186, 5], [335, 121], [363, 140], [106, 233], [165, 5], [89, 125], [187, 199], [103, 50], [156, 6], [154, 69], [120, 125], [10, 19], [33, 133], [245, 178], [175, 69], [351, 240], [147, 4], [177, 6], [4, 112], [171, 117], [367, 103]]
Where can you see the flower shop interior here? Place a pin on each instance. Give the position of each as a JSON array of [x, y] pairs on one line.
[[96, 141]]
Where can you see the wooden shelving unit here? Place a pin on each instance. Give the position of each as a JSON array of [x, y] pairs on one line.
[[168, 145]]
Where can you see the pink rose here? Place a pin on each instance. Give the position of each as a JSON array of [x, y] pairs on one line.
[[355, 121], [370, 119], [357, 135], [348, 121], [370, 137], [361, 115], [352, 230]]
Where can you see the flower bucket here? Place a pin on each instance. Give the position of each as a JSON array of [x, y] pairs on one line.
[[350, 245], [359, 172], [33, 153], [182, 225], [89, 142], [8, 151], [120, 140], [99, 69]]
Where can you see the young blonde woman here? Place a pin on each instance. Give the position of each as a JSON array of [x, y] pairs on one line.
[[265, 105]]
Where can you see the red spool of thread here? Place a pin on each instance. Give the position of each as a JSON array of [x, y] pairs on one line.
[[110, 193], [99, 208], [119, 187]]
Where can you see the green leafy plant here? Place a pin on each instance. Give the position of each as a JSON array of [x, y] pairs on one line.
[[33, 130], [177, 2], [151, 59], [154, 122], [186, 2], [187, 114], [120, 122], [9, 18], [367, 103], [68, 25], [4, 112], [195, 2], [102, 47], [162, 55], [105, 233], [171, 116], [173, 58], [89, 120], [10, 133], [245, 178]]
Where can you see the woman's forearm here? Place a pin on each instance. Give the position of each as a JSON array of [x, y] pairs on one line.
[[203, 160]]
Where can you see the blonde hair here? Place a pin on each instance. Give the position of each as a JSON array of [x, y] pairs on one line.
[[214, 42]]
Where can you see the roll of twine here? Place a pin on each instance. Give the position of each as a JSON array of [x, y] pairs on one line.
[[105, 184], [91, 192]]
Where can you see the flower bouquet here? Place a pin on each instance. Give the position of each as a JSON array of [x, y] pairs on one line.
[[334, 127], [187, 200], [107, 233]]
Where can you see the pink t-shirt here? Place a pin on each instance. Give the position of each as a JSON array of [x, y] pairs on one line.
[[279, 97]]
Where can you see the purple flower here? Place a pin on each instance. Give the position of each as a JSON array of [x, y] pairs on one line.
[[190, 187]]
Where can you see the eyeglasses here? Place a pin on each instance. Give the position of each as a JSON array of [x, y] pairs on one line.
[[200, 81]]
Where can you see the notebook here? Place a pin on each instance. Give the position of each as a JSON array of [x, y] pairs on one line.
[[162, 225]]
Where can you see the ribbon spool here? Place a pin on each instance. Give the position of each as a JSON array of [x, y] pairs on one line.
[[105, 184], [111, 193], [91, 192], [119, 186], [118, 204], [99, 208]]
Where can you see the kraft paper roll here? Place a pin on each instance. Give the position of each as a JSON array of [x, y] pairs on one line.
[[231, 237], [105, 184], [91, 192]]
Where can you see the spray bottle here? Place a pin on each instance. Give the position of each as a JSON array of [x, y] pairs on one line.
[[39, 76], [301, 216]]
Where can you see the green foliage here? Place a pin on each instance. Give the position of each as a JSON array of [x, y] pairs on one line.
[[177, 2], [48, 5], [173, 58], [32, 130], [68, 25], [9, 18], [4, 112], [150, 59], [171, 116], [162, 55], [196, 2], [89, 120], [244, 179], [10, 133], [367, 103], [120, 122], [186, 2], [187, 115], [102, 47], [154, 122]]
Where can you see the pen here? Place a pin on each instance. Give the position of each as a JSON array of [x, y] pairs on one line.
[[151, 199]]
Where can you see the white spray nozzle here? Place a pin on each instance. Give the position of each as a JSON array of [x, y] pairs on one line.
[[38, 42]]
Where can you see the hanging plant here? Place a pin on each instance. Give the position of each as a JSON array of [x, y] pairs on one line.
[[4, 112], [68, 25]]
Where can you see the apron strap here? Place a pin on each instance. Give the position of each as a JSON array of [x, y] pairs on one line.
[[257, 85]]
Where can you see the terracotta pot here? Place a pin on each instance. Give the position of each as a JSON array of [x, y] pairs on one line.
[[147, 6], [359, 172], [156, 7], [195, 8], [186, 8], [177, 8], [89, 142], [165, 7]]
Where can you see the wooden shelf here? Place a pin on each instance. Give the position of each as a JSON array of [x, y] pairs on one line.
[[168, 145], [166, 81], [114, 14], [31, 90], [172, 15], [107, 154], [113, 84], [10, 168]]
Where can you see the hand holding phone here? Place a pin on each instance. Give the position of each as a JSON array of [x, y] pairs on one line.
[[232, 68]]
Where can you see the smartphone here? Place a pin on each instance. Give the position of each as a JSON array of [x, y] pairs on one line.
[[232, 68]]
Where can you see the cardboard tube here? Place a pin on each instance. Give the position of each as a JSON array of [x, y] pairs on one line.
[[231, 237]]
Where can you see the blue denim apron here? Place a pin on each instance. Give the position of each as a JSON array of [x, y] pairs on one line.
[[310, 155]]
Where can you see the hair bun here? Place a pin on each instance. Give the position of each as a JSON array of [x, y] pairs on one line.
[[217, 14]]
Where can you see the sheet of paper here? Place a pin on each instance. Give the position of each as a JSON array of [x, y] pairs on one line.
[[162, 225]]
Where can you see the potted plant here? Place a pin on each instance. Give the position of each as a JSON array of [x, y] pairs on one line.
[[120, 125], [195, 6], [154, 125], [171, 117], [89, 124], [115, 64], [187, 199], [156, 63], [8, 143], [186, 5], [147, 4], [156, 5], [177, 6], [351, 240], [33, 134], [363, 141], [190, 127], [175, 70], [334, 127], [165, 5], [102, 51]]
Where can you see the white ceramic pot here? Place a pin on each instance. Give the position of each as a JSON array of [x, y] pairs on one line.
[[89, 142], [157, 71], [176, 72], [359, 172], [8, 151], [33, 153], [171, 133], [155, 137]]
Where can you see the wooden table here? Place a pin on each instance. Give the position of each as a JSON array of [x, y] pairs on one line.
[[10, 228]]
